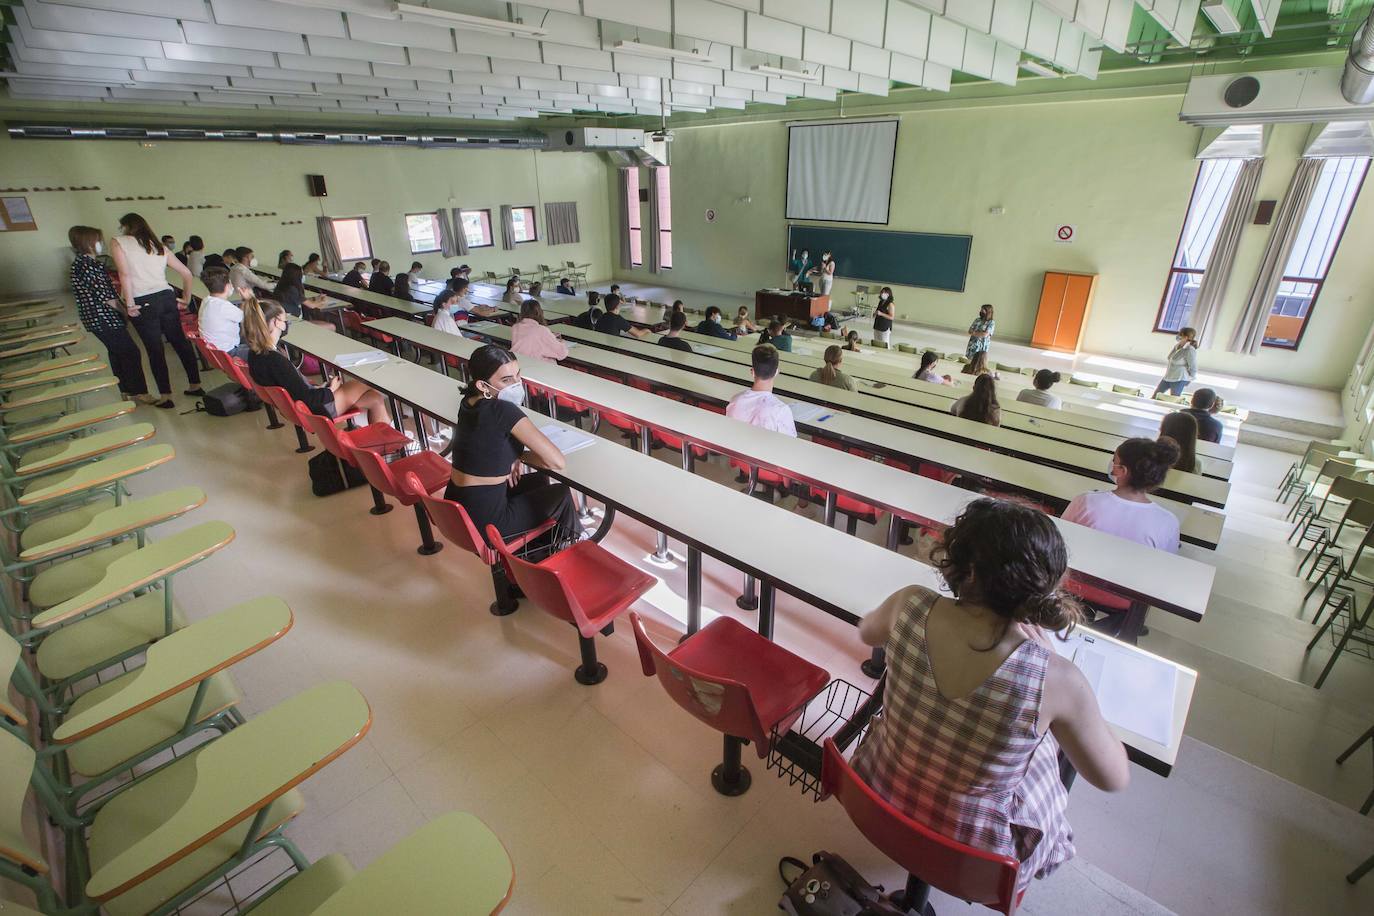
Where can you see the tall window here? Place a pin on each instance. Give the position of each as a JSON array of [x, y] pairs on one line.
[[665, 217], [477, 227], [351, 237], [1216, 179], [1319, 235], [522, 218], [632, 224], [422, 231]]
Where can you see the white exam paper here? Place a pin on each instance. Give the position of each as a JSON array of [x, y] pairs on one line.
[[568, 440], [1134, 691]]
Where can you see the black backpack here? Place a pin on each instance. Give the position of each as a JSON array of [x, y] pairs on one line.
[[329, 475], [229, 399]]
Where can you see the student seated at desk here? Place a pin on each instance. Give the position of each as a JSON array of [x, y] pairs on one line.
[[776, 334], [264, 325], [284, 257], [354, 277], [400, 287], [491, 440], [415, 268], [1040, 394], [978, 365], [927, 373], [444, 316], [1181, 427], [380, 281], [219, 319], [530, 337], [463, 308], [377, 264], [290, 292], [978, 704], [759, 406], [512, 295], [677, 308], [851, 342], [592, 315], [1204, 408], [195, 257], [313, 266], [565, 287], [535, 291], [1137, 468], [980, 405], [830, 373], [711, 326], [676, 322], [612, 322], [743, 323], [241, 272]]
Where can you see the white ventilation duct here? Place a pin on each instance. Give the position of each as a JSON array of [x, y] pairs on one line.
[[1271, 97], [1357, 82]]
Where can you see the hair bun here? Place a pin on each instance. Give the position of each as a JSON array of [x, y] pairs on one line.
[[1056, 377], [1053, 610], [1166, 450]]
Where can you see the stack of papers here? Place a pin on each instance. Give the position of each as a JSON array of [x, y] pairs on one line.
[[480, 326], [353, 360], [804, 412], [1134, 690], [705, 349], [567, 439]]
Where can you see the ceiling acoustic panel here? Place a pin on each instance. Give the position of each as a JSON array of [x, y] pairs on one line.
[[323, 64], [772, 36], [860, 20], [283, 17], [76, 41], [174, 9], [648, 14], [709, 20], [812, 13], [60, 18], [1011, 21], [199, 33], [357, 50]]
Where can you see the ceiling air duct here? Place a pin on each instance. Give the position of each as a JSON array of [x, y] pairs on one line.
[[1357, 82]]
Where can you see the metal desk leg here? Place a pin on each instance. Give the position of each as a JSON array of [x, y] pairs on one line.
[[660, 554], [693, 590], [688, 461], [748, 600], [766, 610], [829, 508]]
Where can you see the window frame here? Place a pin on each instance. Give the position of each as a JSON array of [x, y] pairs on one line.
[[1173, 258], [367, 236], [433, 215], [634, 217], [666, 178], [486, 225], [1319, 282], [533, 224]]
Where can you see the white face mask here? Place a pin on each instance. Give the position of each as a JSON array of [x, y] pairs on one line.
[[1111, 469], [884, 296], [99, 247], [716, 319], [253, 262], [515, 394]]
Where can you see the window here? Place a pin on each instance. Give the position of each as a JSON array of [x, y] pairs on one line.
[[665, 217], [523, 220], [351, 238], [422, 231], [632, 225], [477, 227], [1216, 178], [1318, 237]]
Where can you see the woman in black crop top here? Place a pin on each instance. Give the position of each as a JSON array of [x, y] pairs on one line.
[[264, 323], [491, 439]]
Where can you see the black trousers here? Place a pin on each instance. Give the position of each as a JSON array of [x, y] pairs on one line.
[[158, 318], [126, 361], [517, 509]]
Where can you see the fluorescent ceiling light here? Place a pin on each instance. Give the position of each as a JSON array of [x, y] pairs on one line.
[[1039, 69], [805, 76], [1221, 16], [411, 12], [643, 50]]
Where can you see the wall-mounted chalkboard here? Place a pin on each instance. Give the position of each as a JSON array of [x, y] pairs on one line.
[[900, 258]]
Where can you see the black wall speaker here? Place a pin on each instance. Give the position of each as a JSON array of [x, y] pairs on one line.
[[316, 183], [1264, 212]]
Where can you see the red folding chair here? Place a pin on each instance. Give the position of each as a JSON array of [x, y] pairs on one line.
[[735, 681], [584, 585], [454, 523], [287, 407], [381, 438], [770, 484], [430, 468], [930, 860]]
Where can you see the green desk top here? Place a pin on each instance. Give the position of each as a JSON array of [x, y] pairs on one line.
[[37, 366], [46, 458], [55, 374], [42, 347], [16, 770], [205, 793], [30, 335], [97, 473], [9, 659], [59, 392], [142, 567], [71, 422], [112, 521]]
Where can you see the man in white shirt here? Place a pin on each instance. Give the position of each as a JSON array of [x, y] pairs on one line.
[[218, 318], [241, 275], [759, 406]]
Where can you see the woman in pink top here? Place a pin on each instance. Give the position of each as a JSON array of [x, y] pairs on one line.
[[530, 336], [1137, 469], [978, 704]]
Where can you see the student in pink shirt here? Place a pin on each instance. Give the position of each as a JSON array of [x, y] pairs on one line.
[[531, 337], [759, 406], [1137, 468]]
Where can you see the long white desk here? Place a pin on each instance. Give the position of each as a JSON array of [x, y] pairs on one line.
[[692, 510], [407, 308]]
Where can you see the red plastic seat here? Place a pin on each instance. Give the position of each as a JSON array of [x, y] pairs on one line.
[[584, 585], [930, 859], [381, 438], [454, 523], [774, 484], [621, 422], [431, 470], [287, 408], [735, 681]]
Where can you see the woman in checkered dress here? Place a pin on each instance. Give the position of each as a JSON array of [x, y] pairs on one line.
[[978, 704]]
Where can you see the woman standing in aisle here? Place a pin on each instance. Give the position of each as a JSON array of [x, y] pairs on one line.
[[142, 262], [97, 304], [883, 315], [1182, 364], [980, 332]]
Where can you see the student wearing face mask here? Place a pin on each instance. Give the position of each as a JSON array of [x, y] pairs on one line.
[[797, 269], [97, 305], [824, 272], [241, 274], [980, 332], [1182, 363], [492, 438], [711, 326], [1136, 469], [883, 315]]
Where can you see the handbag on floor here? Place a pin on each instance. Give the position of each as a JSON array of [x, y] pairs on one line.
[[329, 475], [831, 887], [229, 399]]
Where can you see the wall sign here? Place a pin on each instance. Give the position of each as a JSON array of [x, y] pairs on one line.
[[710, 216], [1065, 233]]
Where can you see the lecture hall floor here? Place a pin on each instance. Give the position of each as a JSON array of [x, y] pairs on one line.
[[602, 794]]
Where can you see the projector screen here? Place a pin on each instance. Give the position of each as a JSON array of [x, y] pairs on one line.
[[841, 172]]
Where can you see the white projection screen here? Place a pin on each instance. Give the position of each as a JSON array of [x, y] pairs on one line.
[[841, 172]]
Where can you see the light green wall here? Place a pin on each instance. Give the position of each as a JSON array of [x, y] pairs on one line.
[[1120, 170], [382, 183]]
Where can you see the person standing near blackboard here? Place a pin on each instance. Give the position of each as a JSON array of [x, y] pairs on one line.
[[825, 273], [883, 315], [797, 267], [980, 332]]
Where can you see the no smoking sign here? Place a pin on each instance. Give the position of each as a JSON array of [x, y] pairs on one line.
[[1065, 233]]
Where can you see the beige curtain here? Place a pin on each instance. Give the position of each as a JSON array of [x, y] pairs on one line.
[[1249, 332], [460, 238], [329, 249], [1217, 274], [446, 248], [507, 227], [560, 223], [624, 185], [651, 225]]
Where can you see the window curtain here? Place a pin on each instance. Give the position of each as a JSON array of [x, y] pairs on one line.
[[1249, 331], [624, 184], [1217, 274], [655, 249], [445, 234], [507, 227], [460, 237], [329, 249], [560, 223]]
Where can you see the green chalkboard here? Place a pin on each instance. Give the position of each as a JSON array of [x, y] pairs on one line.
[[900, 258]]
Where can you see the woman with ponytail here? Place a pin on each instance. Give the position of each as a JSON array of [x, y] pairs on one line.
[[978, 704], [1136, 470], [264, 325], [830, 373]]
